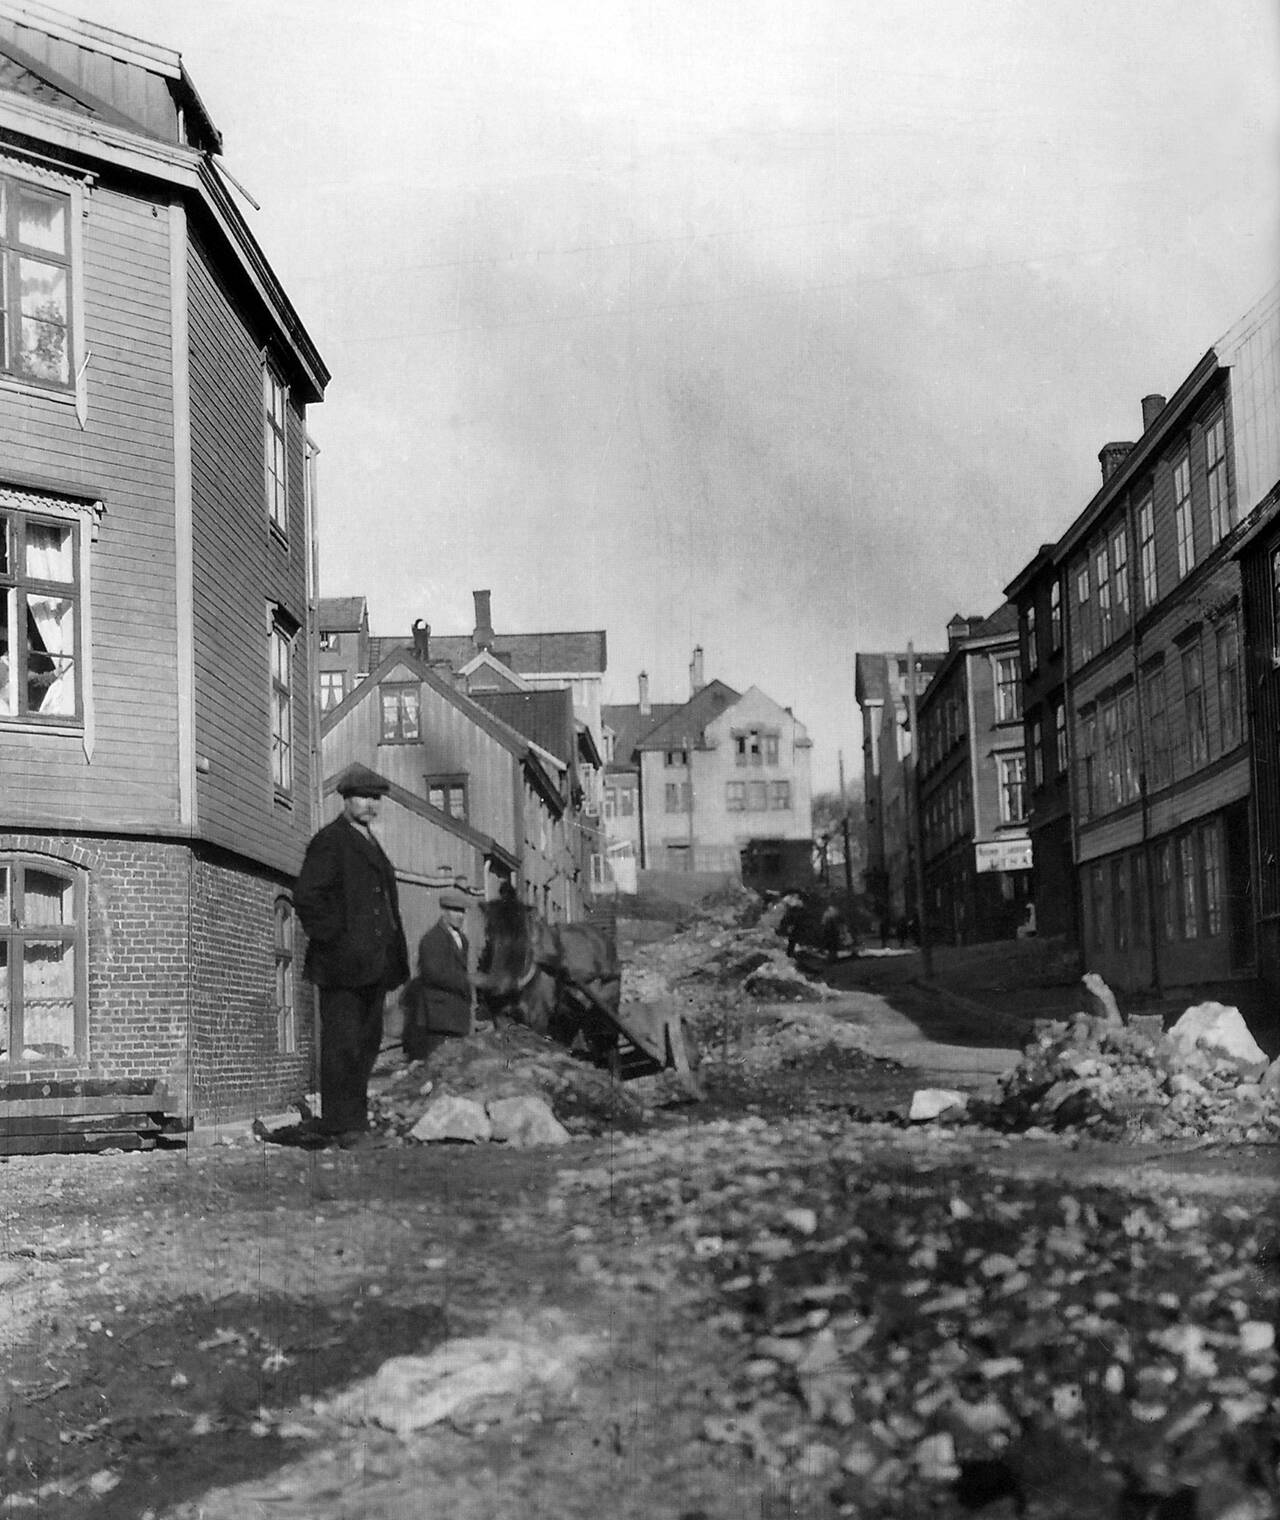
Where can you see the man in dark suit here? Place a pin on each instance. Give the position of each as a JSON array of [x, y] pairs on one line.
[[347, 900], [441, 1004]]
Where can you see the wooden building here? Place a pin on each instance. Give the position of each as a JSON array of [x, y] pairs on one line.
[[970, 770], [155, 553], [474, 802], [1155, 673]]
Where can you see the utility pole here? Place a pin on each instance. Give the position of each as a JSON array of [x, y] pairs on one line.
[[913, 811], [844, 829]]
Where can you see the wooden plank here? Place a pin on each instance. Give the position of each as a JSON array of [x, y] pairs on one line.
[[85, 1087], [48, 1145], [33, 1108], [62, 1124]]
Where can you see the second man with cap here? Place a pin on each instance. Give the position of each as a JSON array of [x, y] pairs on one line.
[[439, 1006]]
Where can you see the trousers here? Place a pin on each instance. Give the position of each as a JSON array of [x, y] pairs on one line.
[[350, 1038]]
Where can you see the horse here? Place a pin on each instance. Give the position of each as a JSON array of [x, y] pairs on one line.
[[553, 978]]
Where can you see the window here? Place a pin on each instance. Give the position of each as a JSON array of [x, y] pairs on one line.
[[1147, 550], [1128, 746], [1084, 618], [39, 606], [332, 688], [448, 794], [36, 281], [1215, 466], [1032, 654], [1037, 755], [282, 708], [1089, 764], [756, 747], [42, 984], [1275, 606], [735, 796], [1157, 728], [330, 643], [626, 802], [1060, 736], [1120, 576], [676, 757], [1183, 523], [1211, 879], [1111, 752], [1193, 706], [757, 796], [610, 802], [1166, 903], [401, 719], [1229, 700], [1102, 578], [1008, 689], [273, 443], [1189, 896], [1055, 615], [1120, 902], [678, 795], [286, 1013], [780, 796], [1013, 787]]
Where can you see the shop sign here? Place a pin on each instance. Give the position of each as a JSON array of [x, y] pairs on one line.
[[1003, 855]]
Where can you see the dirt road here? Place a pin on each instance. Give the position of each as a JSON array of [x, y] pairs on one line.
[[784, 1305]]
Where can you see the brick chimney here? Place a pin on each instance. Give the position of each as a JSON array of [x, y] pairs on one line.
[[1152, 406], [696, 681], [1111, 456], [645, 708], [482, 638]]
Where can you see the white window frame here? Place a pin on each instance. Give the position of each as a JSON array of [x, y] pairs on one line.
[[275, 448], [1183, 517], [1012, 771], [1215, 471], [282, 640], [284, 949], [1147, 549]]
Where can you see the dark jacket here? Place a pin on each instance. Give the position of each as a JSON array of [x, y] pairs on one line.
[[446, 990], [346, 898]]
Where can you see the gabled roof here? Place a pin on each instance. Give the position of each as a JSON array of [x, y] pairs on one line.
[[684, 728], [546, 717], [525, 653], [507, 736], [92, 97], [629, 725], [341, 614]]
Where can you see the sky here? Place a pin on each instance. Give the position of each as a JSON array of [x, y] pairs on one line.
[[786, 330]]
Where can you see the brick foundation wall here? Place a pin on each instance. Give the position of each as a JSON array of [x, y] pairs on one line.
[[237, 1068], [181, 974]]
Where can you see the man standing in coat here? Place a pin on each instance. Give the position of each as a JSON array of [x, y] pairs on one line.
[[347, 900], [441, 1006]]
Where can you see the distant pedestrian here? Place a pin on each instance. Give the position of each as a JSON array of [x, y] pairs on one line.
[[791, 921], [347, 900], [830, 931], [438, 1000]]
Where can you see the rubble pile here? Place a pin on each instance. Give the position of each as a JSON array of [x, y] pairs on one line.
[[1205, 1077], [911, 1346], [488, 1070]]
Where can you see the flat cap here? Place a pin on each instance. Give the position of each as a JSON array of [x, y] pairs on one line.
[[359, 781], [454, 900]]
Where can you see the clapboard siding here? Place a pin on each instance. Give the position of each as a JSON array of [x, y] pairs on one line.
[[240, 569], [128, 87], [125, 451]]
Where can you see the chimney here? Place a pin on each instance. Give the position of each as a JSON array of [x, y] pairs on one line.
[[1111, 456], [696, 682], [957, 630], [645, 709], [483, 636], [1152, 406]]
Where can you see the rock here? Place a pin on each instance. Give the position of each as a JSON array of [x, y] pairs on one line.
[[1270, 1080], [450, 1118], [1218, 1031], [933, 1102], [1101, 998], [522, 1122], [476, 1379]]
